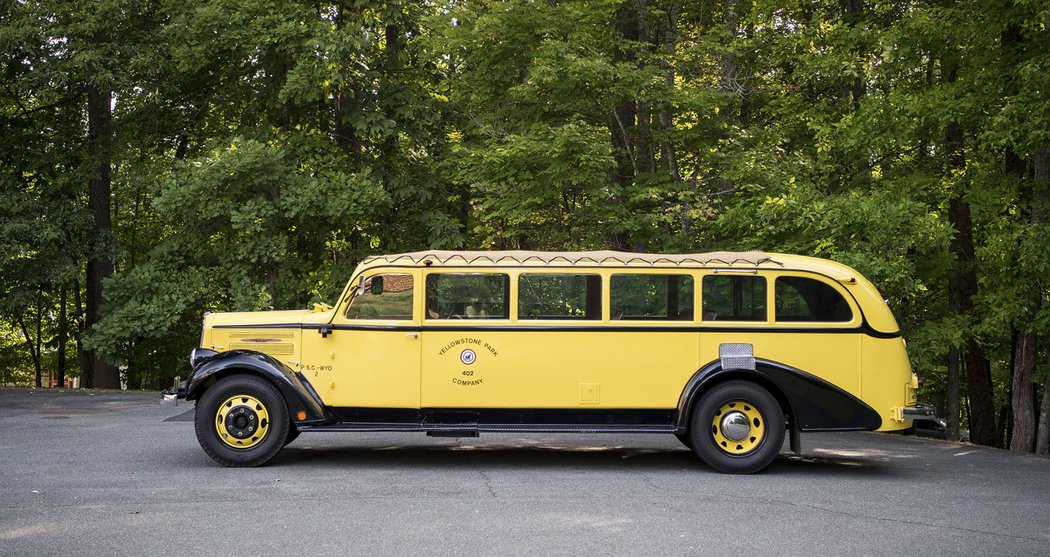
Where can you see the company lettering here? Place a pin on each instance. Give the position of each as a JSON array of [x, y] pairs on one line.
[[460, 342], [469, 383]]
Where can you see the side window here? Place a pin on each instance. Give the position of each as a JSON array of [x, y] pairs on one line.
[[467, 296], [383, 297], [559, 296], [734, 298], [656, 297], [800, 299]]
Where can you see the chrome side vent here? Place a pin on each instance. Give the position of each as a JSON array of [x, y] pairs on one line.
[[737, 356]]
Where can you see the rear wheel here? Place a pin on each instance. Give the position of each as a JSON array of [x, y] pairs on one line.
[[242, 420], [737, 427]]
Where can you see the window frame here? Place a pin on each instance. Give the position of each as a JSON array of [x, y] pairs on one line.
[[352, 293], [734, 273], [603, 295], [655, 322], [508, 294], [856, 321]]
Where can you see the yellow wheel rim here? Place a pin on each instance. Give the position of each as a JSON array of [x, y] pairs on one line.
[[242, 421], [738, 427]]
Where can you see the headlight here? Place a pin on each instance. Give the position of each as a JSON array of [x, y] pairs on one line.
[[198, 354]]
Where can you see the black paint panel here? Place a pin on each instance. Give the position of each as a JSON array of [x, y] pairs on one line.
[[819, 405], [815, 404], [499, 416]]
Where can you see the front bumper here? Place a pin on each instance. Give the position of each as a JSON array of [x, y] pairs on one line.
[[171, 396]]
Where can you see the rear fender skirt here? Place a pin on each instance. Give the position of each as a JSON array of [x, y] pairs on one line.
[[813, 403], [297, 391]]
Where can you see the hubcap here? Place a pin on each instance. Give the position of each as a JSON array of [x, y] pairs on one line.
[[735, 426], [738, 427], [242, 421]]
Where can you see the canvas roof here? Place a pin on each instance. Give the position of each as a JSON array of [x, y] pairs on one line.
[[446, 257]]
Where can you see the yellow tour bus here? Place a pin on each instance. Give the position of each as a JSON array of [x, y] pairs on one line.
[[731, 352]]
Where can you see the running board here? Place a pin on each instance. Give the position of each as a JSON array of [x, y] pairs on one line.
[[454, 433], [471, 430]]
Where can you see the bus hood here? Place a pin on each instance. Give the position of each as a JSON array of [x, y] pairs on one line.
[[255, 318]]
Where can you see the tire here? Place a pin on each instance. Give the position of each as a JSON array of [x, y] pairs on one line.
[[253, 417], [737, 428]]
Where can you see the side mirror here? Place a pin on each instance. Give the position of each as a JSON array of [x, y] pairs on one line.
[[377, 285]]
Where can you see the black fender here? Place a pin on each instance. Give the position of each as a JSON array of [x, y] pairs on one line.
[[813, 403], [299, 395]]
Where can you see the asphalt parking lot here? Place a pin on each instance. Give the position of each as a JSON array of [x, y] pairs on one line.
[[119, 474]]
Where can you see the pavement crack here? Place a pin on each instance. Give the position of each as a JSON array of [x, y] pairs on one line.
[[648, 479], [485, 478]]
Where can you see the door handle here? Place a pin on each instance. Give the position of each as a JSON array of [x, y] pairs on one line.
[[413, 335]]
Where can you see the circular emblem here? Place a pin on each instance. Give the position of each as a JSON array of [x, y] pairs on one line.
[[467, 356]]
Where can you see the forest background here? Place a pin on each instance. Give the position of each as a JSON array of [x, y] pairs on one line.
[[164, 158]]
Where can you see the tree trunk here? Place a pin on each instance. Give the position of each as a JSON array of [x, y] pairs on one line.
[[83, 358], [621, 124], [1026, 348], [665, 37], [951, 403], [622, 118], [1040, 205], [39, 342], [969, 414], [962, 284], [644, 156], [1042, 440], [101, 374], [63, 333], [1040, 185], [34, 346], [669, 44], [1022, 397], [730, 83], [963, 288], [982, 405]]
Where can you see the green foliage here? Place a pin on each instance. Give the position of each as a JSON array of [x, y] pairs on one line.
[[544, 184], [15, 367]]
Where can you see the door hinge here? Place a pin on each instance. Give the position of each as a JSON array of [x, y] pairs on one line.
[[325, 330]]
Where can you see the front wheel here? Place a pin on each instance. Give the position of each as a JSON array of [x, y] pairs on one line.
[[737, 427], [242, 420]]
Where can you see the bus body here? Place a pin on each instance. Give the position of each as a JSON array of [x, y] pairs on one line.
[[729, 351]]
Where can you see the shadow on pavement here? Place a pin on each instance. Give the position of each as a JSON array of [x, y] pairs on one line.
[[186, 416], [827, 465], [498, 456]]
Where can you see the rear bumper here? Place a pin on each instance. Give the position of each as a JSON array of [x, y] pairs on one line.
[[911, 412]]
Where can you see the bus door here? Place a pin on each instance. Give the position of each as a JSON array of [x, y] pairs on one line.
[[369, 356]]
